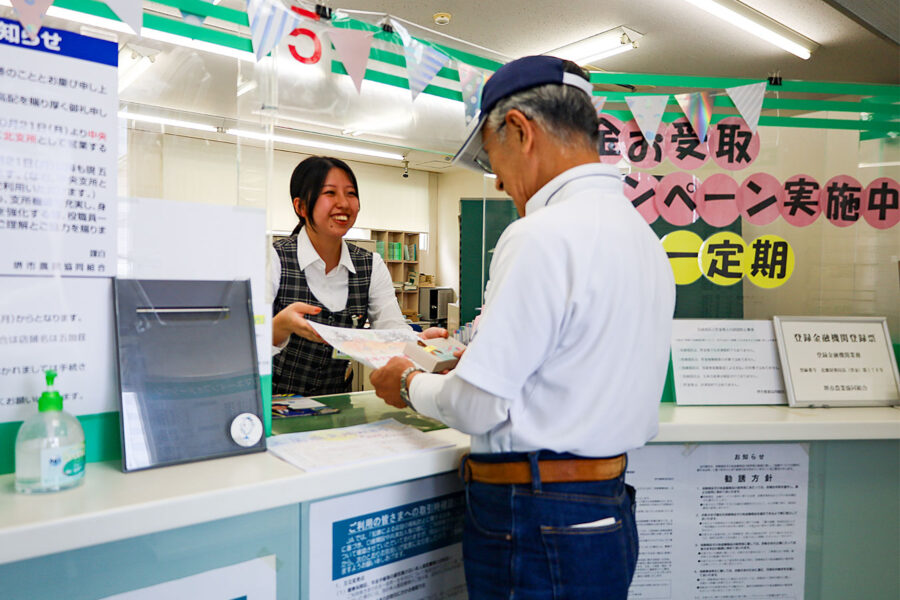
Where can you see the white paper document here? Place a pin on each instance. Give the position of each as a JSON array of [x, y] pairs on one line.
[[726, 361], [720, 521], [372, 347], [315, 450]]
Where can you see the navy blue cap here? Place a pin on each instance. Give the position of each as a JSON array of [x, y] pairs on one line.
[[513, 77]]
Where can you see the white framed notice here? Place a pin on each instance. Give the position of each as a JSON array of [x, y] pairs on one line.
[[726, 361], [837, 361]]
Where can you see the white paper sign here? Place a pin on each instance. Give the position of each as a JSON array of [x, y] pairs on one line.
[[726, 362], [720, 520], [400, 542], [838, 361], [201, 241], [250, 580], [58, 134], [63, 323]]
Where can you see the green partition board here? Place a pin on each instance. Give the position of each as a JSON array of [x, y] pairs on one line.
[[135, 563], [102, 434], [498, 213]]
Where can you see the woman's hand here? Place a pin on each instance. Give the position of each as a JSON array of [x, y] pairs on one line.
[[292, 319]]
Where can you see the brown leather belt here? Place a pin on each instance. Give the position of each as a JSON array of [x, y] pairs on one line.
[[551, 471]]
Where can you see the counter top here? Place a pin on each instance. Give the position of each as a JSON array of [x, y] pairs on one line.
[[112, 505]]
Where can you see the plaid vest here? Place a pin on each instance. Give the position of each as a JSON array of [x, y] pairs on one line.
[[305, 367]]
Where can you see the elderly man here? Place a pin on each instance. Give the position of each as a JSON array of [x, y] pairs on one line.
[[567, 366]]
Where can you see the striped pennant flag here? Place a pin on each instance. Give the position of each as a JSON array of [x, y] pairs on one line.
[[422, 62], [353, 47], [269, 23], [697, 107], [648, 111], [471, 84], [31, 15], [130, 12], [749, 99]]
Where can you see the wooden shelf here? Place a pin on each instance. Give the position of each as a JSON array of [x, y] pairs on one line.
[[400, 251]]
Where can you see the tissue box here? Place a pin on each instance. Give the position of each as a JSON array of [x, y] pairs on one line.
[[435, 354]]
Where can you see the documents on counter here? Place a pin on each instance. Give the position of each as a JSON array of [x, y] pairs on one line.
[[299, 406], [328, 448]]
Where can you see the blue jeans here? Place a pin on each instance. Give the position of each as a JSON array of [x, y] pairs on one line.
[[518, 540]]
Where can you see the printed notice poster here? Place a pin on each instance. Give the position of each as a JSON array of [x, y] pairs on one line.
[[726, 362], [58, 133], [250, 580], [720, 521], [59, 323], [402, 542]]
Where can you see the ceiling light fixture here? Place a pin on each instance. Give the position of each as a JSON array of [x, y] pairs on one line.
[[164, 121], [308, 143], [134, 62], [602, 45], [758, 24]]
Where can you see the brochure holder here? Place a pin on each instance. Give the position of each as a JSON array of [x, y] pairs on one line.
[[189, 384]]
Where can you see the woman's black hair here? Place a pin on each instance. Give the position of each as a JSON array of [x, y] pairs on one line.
[[308, 179]]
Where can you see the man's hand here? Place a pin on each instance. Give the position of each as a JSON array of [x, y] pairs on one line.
[[292, 319], [386, 380], [434, 332]]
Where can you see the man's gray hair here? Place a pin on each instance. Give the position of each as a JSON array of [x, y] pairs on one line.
[[563, 111]]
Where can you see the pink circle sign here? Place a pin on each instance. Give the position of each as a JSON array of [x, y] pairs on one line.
[[717, 200], [676, 198], [682, 147], [842, 200], [732, 145], [880, 203], [759, 198], [801, 205], [640, 189], [636, 149], [610, 146]]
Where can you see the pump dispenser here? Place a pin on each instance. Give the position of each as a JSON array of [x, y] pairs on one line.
[[49, 446]]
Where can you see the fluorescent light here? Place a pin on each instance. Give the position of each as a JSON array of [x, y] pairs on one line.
[[164, 121], [253, 135], [893, 163], [601, 45], [760, 25]]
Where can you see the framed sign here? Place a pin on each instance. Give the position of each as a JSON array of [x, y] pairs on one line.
[[837, 361]]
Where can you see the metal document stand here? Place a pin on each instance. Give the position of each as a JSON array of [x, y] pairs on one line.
[[188, 374]]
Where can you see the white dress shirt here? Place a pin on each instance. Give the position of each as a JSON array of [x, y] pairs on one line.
[[331, 288], [572, 348]]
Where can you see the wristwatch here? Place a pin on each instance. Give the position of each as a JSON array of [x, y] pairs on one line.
[[404, 390]]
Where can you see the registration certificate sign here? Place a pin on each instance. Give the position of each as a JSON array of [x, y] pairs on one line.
[[837, 361]]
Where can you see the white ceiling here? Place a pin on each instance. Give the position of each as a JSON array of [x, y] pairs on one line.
[[678, 38]]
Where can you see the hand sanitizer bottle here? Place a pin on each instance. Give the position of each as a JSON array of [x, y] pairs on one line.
[[49, 447]]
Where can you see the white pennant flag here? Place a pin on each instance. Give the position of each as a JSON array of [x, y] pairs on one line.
[[269, 23], [598, 102], [648, 112], [422, 62], [749, 99], [131, 12], [353, 47]]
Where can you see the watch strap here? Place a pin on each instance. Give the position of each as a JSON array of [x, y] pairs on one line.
[[404, 386]]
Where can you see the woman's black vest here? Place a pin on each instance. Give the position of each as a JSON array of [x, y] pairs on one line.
[[305, 367]]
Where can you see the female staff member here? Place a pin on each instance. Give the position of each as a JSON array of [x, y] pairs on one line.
[[318, 277]]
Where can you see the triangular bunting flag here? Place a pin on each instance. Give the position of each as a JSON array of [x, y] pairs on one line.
[[471, 83], [353, 48], [697, 107], [422, 62], [748, 99], [131, 12], [31, 14], [648, 111], [269, 22], [598, 102]]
